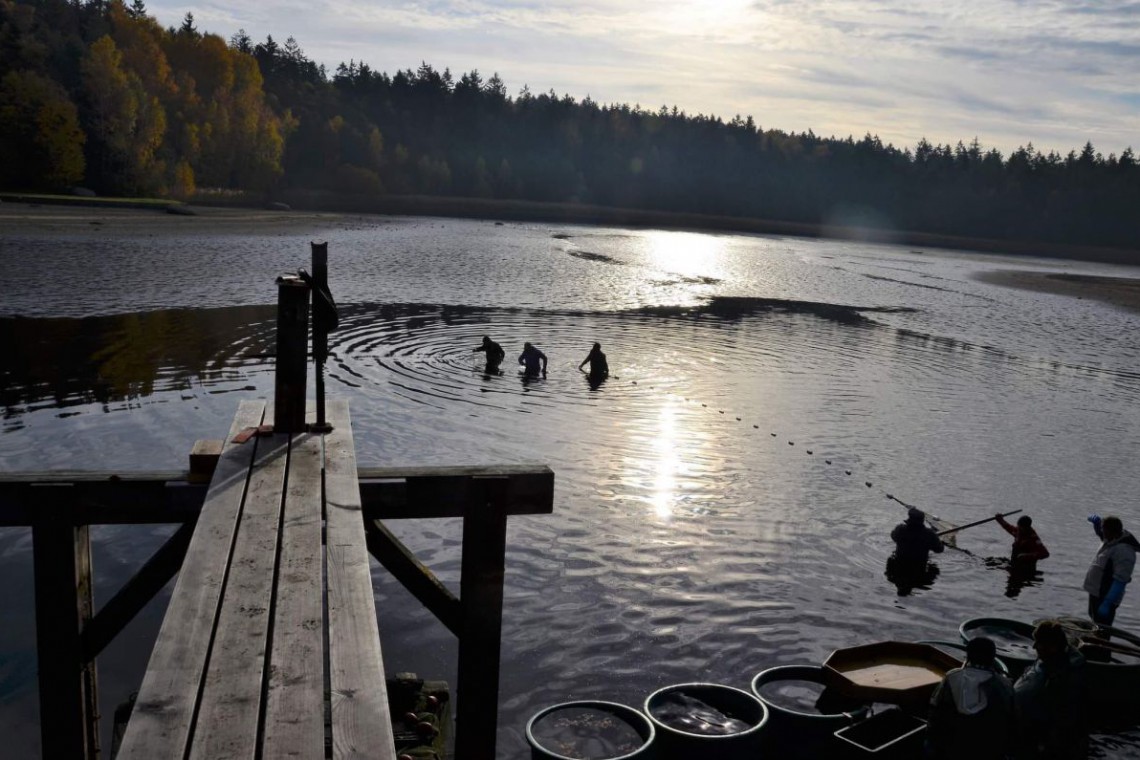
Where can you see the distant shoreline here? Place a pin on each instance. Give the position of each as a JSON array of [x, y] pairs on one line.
[[128, 216], [1123, 292]]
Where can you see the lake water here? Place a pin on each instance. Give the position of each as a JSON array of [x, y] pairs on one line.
[[720, 501]]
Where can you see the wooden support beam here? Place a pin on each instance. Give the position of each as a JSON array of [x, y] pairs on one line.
[[121, 609], [68, 686], [481, 596], [390, 493], [414, 575], [203, 459], [100, 498]]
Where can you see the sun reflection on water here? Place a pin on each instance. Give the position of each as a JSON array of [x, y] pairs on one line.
[[668, 462], [687, 254]]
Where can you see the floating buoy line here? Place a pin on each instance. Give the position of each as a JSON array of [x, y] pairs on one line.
[[809, 452]]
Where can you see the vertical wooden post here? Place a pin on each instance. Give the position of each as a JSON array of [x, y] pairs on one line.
[[292, 355], [69, 695], [320, 330], [481, 598]]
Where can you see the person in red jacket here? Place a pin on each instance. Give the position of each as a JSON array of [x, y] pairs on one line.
[[1027, 546]]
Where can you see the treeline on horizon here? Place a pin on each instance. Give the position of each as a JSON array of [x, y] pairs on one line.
[[96, 93]]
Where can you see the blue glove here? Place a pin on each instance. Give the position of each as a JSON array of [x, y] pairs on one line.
[[1111, 599], [1095, 520]]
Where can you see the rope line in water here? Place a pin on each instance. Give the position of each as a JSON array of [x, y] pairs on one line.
[[809, 452]]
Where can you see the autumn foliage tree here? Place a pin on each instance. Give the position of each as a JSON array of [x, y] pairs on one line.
[[154, 111], [40, 137]]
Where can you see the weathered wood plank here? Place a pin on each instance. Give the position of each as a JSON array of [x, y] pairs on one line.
[[161, 721], [360, 721], [294, 713], [229, 712], [390, 493]]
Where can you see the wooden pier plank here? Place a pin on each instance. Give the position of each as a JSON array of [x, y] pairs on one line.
[[161, 721], [294, 715], [361, 725], [230, 709]]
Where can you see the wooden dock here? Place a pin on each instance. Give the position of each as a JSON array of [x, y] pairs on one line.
[[237, 670], [272, 621], [272, 624]]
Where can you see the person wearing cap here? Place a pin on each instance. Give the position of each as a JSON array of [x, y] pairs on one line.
[[1111, 568], [1049, 699], [1027, 545], [971, 711], [530, 359], [914, 540]]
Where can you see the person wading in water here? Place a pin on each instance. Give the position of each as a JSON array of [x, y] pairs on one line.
[[530, 358], [495, 353], [1027, 546], [599, 368]]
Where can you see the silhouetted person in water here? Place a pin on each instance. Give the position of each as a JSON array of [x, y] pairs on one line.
[[914, 540], [599, 369], [495, 353], [530, 358], [908, 567]]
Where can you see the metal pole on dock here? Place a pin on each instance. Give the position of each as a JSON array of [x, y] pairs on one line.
[[292, 354]]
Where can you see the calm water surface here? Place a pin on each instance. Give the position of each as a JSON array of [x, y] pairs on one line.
[[720, 502]]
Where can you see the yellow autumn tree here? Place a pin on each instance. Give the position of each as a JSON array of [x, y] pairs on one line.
[[127, 124]]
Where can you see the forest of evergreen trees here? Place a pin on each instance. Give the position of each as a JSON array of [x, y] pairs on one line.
[[96, 93]]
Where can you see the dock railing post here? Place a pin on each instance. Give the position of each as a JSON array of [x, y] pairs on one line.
[[292, 354], [68, 685], [481, 598]]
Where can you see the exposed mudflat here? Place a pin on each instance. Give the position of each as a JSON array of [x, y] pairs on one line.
[[1118, 291]]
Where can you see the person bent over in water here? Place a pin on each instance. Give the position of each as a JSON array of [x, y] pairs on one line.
[[495, 352], [599, 368], [971, 711], [530, 358]]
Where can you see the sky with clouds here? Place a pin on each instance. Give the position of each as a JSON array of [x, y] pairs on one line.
[[1052, 72]]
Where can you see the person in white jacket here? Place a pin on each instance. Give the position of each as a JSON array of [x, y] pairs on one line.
[[1111, 568]]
